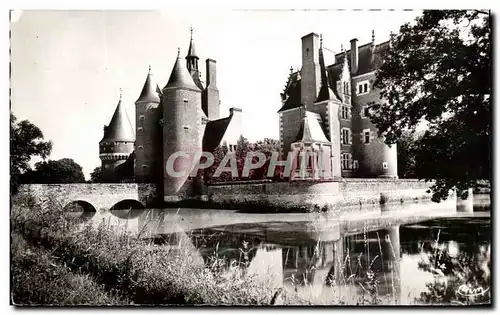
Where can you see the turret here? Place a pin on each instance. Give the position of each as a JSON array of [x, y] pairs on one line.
[[148, 144], [117, 143], [192, 62], [182, 138]]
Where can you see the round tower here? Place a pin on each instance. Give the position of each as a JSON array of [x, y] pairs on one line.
[[148, 143], [117, 143], [182, 137]]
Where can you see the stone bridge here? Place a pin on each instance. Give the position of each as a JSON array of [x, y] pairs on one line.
[[94, 197]]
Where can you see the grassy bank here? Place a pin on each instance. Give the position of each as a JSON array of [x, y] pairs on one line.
[[126, 265]]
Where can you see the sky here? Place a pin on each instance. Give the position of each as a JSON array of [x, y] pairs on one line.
[[68, 66]]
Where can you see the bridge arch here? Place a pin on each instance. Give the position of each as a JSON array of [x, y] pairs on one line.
[[80, 209], [127, 209]]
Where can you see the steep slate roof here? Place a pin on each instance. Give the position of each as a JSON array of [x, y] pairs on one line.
[[119, 128], [149, 91], [294, 97], [192, 49], [310, 129], [369, 59], [180, 76], [214, 132], [325, 92]]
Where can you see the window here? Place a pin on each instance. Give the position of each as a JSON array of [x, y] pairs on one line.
[[365, 111], [140, 147], [344, 114], [141, 118], [385, 166], [363, 87], [346, 161], [140, 129], [355, 164], [346, 136], [366, 136], [144, 166], [346, 87], [185, 100]]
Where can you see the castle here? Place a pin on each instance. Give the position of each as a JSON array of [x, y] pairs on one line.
[[324, 113], [183, 116]]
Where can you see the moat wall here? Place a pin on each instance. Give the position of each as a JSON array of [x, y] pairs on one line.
[[317, 196]]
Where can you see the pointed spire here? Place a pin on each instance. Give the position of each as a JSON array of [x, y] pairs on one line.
[[320, 41], [180, 76], [119, 128], [373, 36], [325, 93], [149, 92], [391, 39], [291, 69], [191, 50]]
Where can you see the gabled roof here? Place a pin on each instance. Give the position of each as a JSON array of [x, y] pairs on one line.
[[180, 76], [214, 132], [310, 129], [119, 128], [150, 91]]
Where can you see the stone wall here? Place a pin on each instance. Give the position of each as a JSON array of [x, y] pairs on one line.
[[318, 195]]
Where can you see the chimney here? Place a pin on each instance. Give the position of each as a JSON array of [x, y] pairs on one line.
[[211, 73], [354, 55]]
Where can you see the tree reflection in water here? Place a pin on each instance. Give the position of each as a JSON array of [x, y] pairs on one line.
[[460, 277]]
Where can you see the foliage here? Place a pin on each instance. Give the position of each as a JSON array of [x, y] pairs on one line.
[[55, 172], [439, 71], [26, 142], [455, 270], [407, 147], [97, 175], [243, 148]]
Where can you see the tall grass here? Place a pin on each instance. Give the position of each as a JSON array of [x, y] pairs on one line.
[[144, 272]]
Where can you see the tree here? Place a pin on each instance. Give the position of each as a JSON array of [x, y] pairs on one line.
[[97, 175], [63, 171], [407, 146], [438, 72], [26, 142]]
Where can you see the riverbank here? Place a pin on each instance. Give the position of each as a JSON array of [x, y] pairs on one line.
[[121, 268]]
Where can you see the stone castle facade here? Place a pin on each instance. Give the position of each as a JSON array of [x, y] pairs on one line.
[[183, 116], [324, 113]]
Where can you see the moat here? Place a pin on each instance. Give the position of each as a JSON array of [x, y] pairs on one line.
[[305, 250]]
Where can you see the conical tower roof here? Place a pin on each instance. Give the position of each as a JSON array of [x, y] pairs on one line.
[[149, 92], [180, 77], [119, 128]]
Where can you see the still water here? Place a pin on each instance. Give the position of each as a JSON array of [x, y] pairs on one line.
[[310, 252]]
